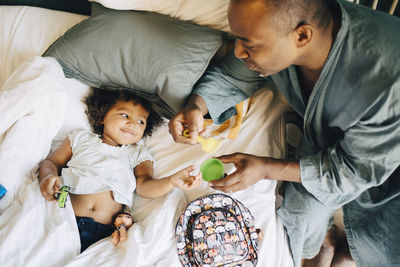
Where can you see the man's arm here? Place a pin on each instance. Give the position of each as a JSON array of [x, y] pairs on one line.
[[227, 84], [365, 157], [222, 87], [250, 169]]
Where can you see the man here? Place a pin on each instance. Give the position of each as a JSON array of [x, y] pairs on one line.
[[338, 65]]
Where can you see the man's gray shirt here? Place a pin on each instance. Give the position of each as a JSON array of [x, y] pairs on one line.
[[351, 142], [351, 119]]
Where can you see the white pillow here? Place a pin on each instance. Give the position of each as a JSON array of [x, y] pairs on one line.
[[212, 13], [28, 31]]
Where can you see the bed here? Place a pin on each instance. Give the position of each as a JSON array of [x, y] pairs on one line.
[[39, 106]]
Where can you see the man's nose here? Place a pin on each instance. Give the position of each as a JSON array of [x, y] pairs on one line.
[[240, 51]]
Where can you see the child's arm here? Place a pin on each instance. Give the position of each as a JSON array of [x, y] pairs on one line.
[[148, 187], [49, 170]]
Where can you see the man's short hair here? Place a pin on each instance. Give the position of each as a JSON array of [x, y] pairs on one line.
[[292, 13]]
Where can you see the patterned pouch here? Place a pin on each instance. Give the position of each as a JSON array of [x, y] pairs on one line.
[[217, 230]]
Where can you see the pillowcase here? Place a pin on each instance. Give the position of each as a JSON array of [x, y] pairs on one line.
[[211, 13], [158, 57], [28, 31]]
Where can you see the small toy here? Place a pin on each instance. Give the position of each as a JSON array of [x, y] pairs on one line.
[[209, 145], [122, 222], [3, 191], [212, 169], [62, 196]]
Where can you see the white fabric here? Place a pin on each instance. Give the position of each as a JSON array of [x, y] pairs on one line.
[[33, 104], [34, 232], [27, 32], [98, 167], [19, 154], [38, 107], [211, 13]]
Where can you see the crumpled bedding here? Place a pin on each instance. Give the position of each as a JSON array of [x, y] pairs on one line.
[[38, 106]]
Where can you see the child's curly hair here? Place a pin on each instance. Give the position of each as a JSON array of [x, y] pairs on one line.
[[100, 101]]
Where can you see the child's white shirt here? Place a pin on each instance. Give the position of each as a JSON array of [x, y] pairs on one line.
[[98, 167]]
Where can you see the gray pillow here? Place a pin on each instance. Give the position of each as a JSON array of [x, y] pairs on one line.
[[158, 57]]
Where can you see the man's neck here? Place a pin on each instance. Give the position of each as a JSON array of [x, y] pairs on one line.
[[312, 63]]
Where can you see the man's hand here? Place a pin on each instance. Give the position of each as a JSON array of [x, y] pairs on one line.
[[251, 169], [191, 118], [49, 186]]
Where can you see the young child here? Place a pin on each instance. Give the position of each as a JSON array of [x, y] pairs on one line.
[[104, 167]]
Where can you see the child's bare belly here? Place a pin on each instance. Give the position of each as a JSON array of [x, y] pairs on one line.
[[101, 206]]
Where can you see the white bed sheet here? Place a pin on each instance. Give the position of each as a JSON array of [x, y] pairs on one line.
[[38, 106], [33, 104]]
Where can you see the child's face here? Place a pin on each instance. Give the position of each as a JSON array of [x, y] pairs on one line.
[[124, 123]]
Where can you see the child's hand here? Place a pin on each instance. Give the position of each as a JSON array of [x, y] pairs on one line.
[[184, 180], [122, 223], [49, 186]]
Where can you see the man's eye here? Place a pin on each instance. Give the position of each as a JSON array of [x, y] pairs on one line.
[[245, 44], [124, 115], [249, 47]]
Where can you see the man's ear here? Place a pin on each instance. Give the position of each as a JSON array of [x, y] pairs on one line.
[[303, 34]]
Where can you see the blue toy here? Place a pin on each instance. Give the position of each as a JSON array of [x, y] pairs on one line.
[[3, 191]]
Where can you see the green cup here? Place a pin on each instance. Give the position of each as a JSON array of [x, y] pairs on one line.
[[212, 169]]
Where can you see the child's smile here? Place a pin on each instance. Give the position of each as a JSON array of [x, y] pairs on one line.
[[124, 123]]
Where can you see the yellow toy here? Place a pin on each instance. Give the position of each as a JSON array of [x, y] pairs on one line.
[[209, 145]]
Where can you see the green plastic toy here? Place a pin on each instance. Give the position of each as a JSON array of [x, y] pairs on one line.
[[62, 196], [212, 169]]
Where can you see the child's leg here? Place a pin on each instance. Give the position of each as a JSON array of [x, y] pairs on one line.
[[91, 231]]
